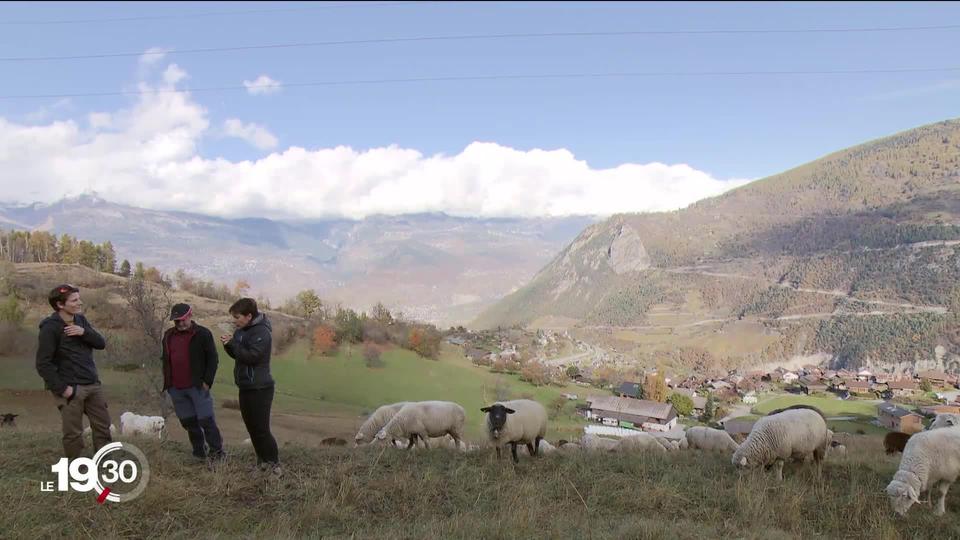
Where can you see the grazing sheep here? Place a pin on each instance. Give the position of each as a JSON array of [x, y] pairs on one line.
[[544, 448], [683, 443], [931, 461], [520, 421], [597, 443], [570, 448], [9, 420], [895, 441], [837, 448], [705, 438], [792, 434], [798, 406], [425, 419], [333, 441], [641, 442], [375, 422], [135, 424], [945, 420]]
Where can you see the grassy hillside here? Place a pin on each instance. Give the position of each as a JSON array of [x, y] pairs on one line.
[[442, 494], [866, 238]]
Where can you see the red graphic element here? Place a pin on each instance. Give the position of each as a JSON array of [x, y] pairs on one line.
[[103, 496]]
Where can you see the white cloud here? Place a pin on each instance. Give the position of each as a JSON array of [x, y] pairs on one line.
[[147, 155], [263, 85], [152, 56], [254, 134]]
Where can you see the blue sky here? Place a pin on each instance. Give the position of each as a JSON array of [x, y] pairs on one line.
[[730, 127]]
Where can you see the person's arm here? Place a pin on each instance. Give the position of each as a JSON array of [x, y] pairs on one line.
[[252, 351], [212, 359], [46, 349], [91, 337]]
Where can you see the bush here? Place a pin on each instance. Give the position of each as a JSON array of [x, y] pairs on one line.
[[371, 356], [15, 340]]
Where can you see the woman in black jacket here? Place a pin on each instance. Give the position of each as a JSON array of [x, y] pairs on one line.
[[250, 346]]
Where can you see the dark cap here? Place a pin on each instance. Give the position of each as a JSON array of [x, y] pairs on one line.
[[180, 311]]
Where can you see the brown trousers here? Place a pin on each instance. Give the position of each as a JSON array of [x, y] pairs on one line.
[[88, 399]]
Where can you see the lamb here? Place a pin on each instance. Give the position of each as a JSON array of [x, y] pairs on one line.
[[594, 442], [791, 434], [895, 441], [931, 461], [705, 438], [945, 420], [375, 422], [9, 420], [642, 442], [425, 419], [135, 424], [515, 422], [837, 448]]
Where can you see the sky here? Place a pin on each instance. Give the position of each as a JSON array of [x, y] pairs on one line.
[[250, 140]]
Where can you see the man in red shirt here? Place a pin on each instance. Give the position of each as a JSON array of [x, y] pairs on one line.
[[189, 367]]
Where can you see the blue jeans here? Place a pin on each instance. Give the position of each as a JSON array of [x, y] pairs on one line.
[[194, 408]]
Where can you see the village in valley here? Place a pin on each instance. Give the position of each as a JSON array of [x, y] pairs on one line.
[[618, 399]]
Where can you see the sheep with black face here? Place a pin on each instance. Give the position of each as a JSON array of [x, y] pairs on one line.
[[520, 421]]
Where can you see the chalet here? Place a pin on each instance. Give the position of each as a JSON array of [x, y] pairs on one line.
[[632, 413], [939, 409], [476, 354], [864, 375], [789, 377], [938, 379], [738, 429], [811, 384], [719, 385], [899, 419], [904, 387], [699, 402], [630, 389], [859, 387]]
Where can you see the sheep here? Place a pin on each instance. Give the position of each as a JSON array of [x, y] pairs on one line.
[[895, 441], [594, 442], [642, 442], [9, 420], [570, 448], [705, 438], [544, 448], [931, 461], [425, 419], [134, 424], [515, 422], [791, 434], [375, 422], [113, 430], [945, 420], [798, 406], [837, 448]]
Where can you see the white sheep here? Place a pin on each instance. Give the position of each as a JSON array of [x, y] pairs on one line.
[[544, 448], [931, 461], [837, 448], [945, 420], [706, 438], [570, 448], [375, 422], [425, 419], [792, 434], [641, 442], [597, 443], [135, 424], [519, 421]]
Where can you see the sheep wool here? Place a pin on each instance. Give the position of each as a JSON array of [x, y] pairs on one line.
[[425, 419], [931, 461], [375, 422], [791, 434]]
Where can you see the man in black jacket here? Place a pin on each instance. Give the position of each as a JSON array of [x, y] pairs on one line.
[[65, 362], [189, 366]]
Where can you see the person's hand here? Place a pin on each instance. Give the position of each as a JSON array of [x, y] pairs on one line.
[[225, 338], [73, 330], [68, 392], [205, 387]]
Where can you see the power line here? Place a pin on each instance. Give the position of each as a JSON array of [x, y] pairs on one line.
[[209, 14], [500, 77], [466, 37]]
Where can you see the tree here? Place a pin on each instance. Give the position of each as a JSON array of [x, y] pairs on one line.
[[308, 303], [349, 326], [106, 258], [381, 314], [709, 410], [241, 287], [655, 388], [139, 271], [150, 305], [10, 310], [535, 373], [573, 372], [125, 268], [324, 340], [371, 356], [926, 386], [682, 403]]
